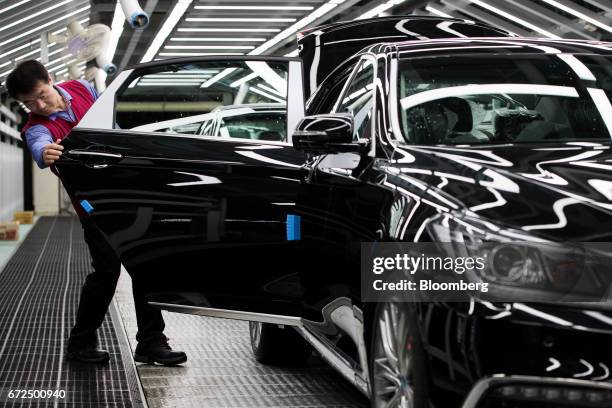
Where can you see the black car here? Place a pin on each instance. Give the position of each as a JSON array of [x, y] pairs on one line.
[[493, 140]]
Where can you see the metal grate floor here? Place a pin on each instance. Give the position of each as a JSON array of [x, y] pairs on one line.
[[221, 371], [39, 291]]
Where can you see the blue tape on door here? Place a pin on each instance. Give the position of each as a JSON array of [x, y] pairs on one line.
[[294, 229], [86, 206]]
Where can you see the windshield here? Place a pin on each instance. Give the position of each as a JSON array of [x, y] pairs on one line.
[[505, 99]]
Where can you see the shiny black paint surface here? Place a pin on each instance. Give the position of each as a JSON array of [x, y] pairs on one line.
[[175, 209], [232, 252]]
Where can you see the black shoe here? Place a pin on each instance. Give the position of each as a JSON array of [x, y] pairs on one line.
[[158, 352], [88, 355]]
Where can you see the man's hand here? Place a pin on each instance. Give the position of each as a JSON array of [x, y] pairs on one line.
[[51, 153]]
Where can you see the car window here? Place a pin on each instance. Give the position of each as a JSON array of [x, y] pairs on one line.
[[358, 99], [328, 93], [498, 99], [249, 97]]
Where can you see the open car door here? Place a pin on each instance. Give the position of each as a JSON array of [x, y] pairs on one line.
[[202, 221]]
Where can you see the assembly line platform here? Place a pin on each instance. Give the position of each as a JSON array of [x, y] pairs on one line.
[[39, 291]]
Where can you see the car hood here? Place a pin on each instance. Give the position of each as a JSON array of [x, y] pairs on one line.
[[554, 191]]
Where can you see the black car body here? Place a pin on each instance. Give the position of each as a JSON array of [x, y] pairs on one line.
[[495, 138]]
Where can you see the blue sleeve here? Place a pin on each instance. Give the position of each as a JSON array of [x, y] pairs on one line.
[[90, 88], [38, 137]]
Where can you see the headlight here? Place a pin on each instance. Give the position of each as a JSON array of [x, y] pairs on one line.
[[521, 267]]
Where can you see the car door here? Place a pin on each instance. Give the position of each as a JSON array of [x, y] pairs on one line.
[[198, 221]]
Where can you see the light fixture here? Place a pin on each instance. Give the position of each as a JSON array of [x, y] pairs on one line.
[[242, 80], [578, 14], [33, 15], [4, 10], [228, 30], [379, 9], [267, 95], [209, 47], [514, 18], [321, 11], [140, 83], [239, 20], [218, 77], [33, 52], [175, 15], [116, 31], [177, 77], [47, 24], [217, 39], [437, 12], [254, 8], [196, 54]]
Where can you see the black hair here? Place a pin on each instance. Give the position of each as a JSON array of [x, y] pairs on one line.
[[23, 79]]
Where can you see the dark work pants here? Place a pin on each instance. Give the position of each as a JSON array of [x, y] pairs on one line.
[[98, 292]]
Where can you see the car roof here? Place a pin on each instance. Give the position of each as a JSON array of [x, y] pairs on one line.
[[495, 45], [378, 26]]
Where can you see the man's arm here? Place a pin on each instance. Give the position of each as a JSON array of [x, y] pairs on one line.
[[41, 145], [90, 88]]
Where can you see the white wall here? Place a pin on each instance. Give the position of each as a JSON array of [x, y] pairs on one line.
[[11, 179]]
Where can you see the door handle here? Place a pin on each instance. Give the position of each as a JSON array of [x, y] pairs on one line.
[[95, 159], [95, 155]]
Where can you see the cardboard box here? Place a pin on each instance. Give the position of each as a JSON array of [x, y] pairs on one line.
[[9, 231], [24, 217]]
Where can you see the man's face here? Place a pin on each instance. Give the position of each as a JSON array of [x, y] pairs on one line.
[[42, 100]]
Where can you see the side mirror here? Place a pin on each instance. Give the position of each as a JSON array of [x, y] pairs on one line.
[[329, 133]]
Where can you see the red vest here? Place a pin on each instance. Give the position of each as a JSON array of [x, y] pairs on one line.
[[80, 104], [59, 128]]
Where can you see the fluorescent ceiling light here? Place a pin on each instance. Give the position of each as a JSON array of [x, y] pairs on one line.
[[229, 30], [514, 18], [209, 47], [175, 15], [239, 20], [116, 31], [267, 95], [177, 77], [218, 77], [4, 10], [271, 90], [217, 39], [196, 54], [254, 7], [21, 47], [33, 52], [178, 80], [242, 80], [47, 24], [578, 14], [379, 9], [437, 12], [33, 15], [321, 11], [140, 83]]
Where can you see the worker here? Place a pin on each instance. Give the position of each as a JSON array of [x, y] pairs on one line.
[[54, 110]]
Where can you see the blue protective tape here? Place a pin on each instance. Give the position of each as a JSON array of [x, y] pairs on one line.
[[86, 206], [294, 228]]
